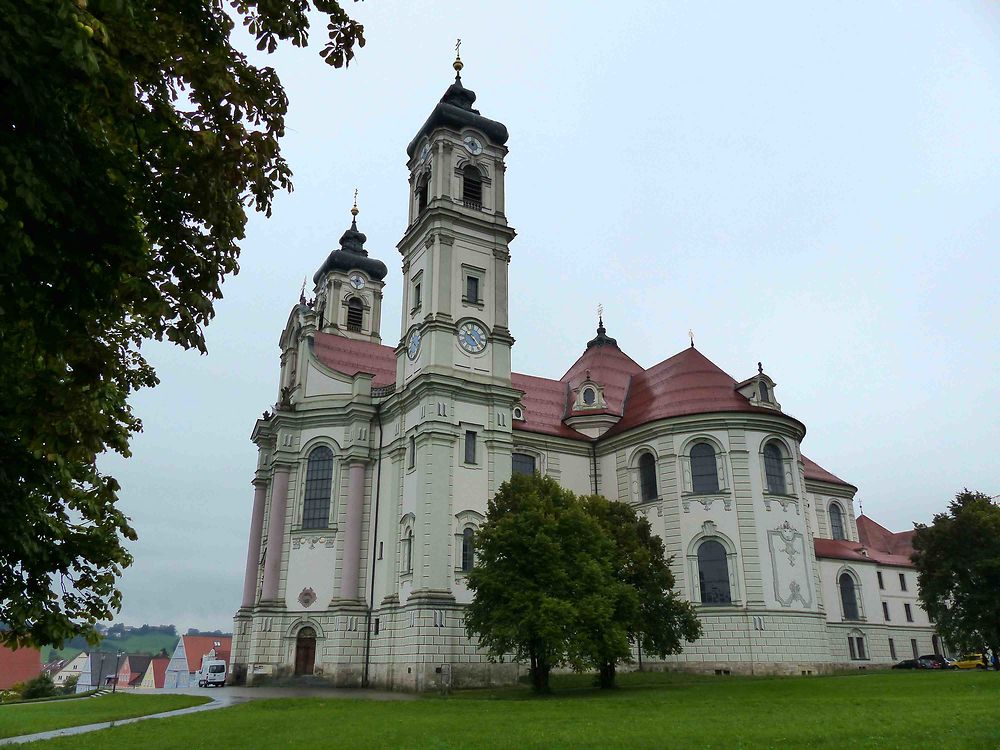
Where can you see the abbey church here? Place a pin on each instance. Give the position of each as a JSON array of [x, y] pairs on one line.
[[376, 464]]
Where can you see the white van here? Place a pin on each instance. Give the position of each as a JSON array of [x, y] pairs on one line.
[[213, 673]]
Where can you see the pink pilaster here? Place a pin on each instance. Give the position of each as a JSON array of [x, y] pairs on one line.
[[352, 532], [275, 533], [256, 531]]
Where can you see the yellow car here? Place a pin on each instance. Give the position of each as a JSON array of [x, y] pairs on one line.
[[970, 661]]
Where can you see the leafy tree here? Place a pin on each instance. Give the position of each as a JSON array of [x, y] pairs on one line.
[[69, 686], [133, 139], [654, 617], [543, 581], [958, 571]]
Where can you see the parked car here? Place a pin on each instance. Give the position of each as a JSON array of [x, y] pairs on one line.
[[940, 661], [971, 661], [213, 673], [915, 664]]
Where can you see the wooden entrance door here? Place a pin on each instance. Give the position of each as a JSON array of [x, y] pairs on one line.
[[305, 651]]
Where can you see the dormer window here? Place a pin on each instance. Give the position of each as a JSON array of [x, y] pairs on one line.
[[762, 389], [518, 413], [589, 396], [355, 314], [472, 187]]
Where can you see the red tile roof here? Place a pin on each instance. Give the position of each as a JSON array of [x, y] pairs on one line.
[[196, 646], [19, 665], [351, 357], [609, 367], [686, 383], [544, 404], [878, 537], [814, 471], [876, 544]]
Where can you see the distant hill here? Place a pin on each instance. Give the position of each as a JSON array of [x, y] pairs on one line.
[[152, 642]]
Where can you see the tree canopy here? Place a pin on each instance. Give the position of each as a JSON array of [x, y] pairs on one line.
[[958, 571], [134, 137], [560, 580]]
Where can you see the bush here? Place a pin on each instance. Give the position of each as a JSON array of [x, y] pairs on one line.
[[69, 687], [40, 687]]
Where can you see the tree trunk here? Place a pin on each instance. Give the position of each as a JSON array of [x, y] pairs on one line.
[[540, 674], [606, 681]]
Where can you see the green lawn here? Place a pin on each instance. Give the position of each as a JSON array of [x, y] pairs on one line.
[[878, 710], [29, 718]]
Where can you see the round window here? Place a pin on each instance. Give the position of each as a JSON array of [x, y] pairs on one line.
[[589, 396], [518, 413]]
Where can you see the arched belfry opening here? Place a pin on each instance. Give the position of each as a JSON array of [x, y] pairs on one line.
[[472, 187], [305, 651]]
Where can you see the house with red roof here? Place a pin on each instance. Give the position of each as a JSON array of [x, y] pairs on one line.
[[190, 652], [156, 673], [377, 461]]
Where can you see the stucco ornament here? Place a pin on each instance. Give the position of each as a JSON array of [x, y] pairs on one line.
[[307, 597], [787, 545]]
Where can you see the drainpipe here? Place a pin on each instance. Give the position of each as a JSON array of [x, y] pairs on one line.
[[593, 461], [371, 582]]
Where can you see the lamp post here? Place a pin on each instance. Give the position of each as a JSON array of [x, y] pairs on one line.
[[114, 684]]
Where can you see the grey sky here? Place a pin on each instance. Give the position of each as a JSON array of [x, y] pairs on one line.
[[812, 185]]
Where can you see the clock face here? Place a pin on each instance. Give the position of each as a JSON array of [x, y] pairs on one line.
[[472, 337], [357, 281], [472, 145], [425, 152], [413, 345]]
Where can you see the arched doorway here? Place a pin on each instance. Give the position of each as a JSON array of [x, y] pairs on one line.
[[305, 651]]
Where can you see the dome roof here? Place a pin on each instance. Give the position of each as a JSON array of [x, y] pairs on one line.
[[455, 111], [351, 256]]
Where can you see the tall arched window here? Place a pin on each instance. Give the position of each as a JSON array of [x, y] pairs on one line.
[[408, 552], [647, 477], [522, 463], [422, 193], [472, 187], [704, 471], [848, 597], [355, 314], [319, 480], [774, 469], [713, 573], [468, 550], [305, 651], [837, 522]]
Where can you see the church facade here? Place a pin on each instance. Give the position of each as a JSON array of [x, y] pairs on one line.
[[376, 464]]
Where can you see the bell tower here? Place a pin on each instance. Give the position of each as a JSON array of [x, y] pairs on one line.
[[453, 373], [455, 249], [348, 288]]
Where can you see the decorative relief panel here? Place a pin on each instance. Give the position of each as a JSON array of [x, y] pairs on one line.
[[706, 501], [311, 542], [783, 500], [788, 563]]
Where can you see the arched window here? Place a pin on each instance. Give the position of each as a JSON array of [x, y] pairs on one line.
[[355, 314], [422, 193], [522, 463], [472, 187], [713, 573], [704, 472], [468, 551], [647, 477], [305, 651], [408, 552], [774, 469], [762, 387], [589, 396], [848, 597], [319, 480], [837, 522]]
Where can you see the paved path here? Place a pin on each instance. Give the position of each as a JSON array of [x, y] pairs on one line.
[[221, 698]]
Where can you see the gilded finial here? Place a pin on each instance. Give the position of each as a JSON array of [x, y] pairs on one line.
[[457, 65], [600, 314], [691, 336], [354, 209]]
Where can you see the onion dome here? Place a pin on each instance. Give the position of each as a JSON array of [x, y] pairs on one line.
[[352, 256], [455, 111]]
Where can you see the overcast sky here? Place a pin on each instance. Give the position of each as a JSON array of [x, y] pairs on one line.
[[810, 185]]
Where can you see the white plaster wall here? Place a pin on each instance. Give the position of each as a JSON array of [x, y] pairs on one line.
[[312, 565]]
